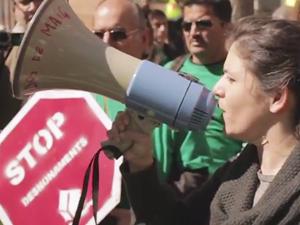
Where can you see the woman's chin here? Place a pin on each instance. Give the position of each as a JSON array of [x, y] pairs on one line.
[[231, 133]]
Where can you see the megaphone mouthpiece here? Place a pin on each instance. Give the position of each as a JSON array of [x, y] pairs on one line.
[[161, 93]]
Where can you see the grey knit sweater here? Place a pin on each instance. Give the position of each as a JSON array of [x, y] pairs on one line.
[[226, 199]]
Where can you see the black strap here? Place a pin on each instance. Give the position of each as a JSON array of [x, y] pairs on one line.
[[178, 62], [2, 61], [95, 188], [95, 183]]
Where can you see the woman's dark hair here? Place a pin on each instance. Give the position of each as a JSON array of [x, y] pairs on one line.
[[154, 13], [271, 51], [221, 8]]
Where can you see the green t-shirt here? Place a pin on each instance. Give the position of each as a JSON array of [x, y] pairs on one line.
[[195, 150]]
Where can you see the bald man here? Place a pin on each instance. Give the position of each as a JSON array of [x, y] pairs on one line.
[[122, 25]]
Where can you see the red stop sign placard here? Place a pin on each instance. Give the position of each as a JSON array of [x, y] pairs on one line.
[[44, 153]]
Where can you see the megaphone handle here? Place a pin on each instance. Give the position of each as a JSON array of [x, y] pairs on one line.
[[137, 123]]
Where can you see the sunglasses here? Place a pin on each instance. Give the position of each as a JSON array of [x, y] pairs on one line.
[[200, 24], [115, 34]]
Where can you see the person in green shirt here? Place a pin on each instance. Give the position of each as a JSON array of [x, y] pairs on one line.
[[185, 159]]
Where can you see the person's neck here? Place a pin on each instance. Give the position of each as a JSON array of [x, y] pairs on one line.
[[159, 43], [275, 147], [207, 60], [20, 27]]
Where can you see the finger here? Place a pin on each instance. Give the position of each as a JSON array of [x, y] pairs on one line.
[[123, 116], [135, 136], [113, 135], [117, 126], [122, 121], [108, 154]]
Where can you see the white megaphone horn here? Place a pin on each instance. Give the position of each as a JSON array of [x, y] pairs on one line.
[[59, 52]]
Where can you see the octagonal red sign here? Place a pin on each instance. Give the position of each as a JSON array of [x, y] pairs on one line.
[[44, 153]]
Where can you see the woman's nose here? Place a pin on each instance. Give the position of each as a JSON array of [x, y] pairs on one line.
[[218, 90]]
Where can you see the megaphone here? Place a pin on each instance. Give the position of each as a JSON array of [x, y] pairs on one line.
[[59, 52]]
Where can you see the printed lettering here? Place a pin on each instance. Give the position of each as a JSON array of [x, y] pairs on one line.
[[39, 147], [36, 58], [25, 154], [54, 172], [63, 14], [15, 172], [55, 123], [30, 81], [39, 52], [47, 28], [41, 143], [54, 21]]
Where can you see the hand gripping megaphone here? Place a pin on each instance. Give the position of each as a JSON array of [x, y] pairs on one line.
[[59, 52]]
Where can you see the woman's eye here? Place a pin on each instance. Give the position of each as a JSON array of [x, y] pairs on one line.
[[229, 78]]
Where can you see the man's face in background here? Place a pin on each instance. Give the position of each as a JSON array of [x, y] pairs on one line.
[[116, 23], [160, 29], [205, 40], [25, 9]]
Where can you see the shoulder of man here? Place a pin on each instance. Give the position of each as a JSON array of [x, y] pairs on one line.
[[177, 63]]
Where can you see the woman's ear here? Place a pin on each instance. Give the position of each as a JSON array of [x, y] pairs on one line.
[[279, 100]]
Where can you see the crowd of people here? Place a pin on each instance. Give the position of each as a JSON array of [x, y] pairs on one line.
[[243, 168], [23, 12]]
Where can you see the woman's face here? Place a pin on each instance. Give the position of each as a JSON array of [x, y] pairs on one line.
[[245, 106]]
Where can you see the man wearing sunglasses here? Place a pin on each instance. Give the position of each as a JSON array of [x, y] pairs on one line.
[[122, 25], [186, 158]]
